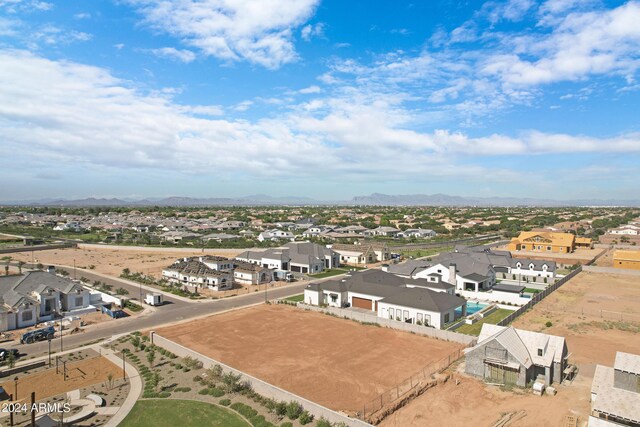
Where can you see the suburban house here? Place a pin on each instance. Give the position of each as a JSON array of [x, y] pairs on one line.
[[362, 254], [179, 236], [275, 234], [615, 393], [502, 262], [427, 302], [219, 237], [420, 233], [251, 274], [36, 296], [299, 257], [536, 241], [626, 259], [215, 273], [382, 231], [506, 355]]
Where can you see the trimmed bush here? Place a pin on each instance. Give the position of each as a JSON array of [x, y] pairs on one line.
[[281, 408], [287, 424], [216, 392], [225, 402], [246, 411], [323, 422], [548, 324]]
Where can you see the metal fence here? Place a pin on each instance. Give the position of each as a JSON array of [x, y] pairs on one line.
[[607, 314], [408, 384], [539, 297]]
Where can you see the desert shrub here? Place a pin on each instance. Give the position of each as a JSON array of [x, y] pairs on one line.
[[548, 324], [192, 363], [281, 408], [294, 409], [323, 422], [305, 418]]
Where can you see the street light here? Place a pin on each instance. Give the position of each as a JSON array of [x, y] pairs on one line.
[[49, 340]]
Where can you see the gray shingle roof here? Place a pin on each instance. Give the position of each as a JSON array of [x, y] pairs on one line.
[[425, 299]]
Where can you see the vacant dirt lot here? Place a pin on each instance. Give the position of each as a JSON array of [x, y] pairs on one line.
[[335, 362], [597, 313], [112, 261], [472, 403], [79, 374]]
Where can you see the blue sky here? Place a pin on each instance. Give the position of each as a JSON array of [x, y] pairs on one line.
[[324, 99]]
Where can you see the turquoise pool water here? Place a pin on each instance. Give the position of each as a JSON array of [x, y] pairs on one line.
[[472, 307]]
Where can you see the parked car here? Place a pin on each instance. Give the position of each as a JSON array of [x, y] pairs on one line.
[[4, 353]]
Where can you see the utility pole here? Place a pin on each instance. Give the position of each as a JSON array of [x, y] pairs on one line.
[[124, 376], [49, 340], [74, 269]]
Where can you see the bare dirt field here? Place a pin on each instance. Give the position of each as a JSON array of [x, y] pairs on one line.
[[80, 374], [112, 261], [473, 403], [597, 313], [335, 362]]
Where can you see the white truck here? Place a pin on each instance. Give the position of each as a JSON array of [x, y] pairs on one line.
[[153, 299]]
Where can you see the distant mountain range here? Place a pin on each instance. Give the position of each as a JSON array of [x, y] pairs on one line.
[[375, 199]]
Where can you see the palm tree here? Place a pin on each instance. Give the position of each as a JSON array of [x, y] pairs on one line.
[[20, 264]]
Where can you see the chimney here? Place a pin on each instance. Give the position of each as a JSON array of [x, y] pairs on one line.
[[452, 273]]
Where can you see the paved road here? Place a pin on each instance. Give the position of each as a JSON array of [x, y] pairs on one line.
[[166, 314]]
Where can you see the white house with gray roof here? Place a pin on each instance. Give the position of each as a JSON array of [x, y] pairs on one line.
[[615, 393], [506, 355], [419, 301], [36, 296], [298, 257]]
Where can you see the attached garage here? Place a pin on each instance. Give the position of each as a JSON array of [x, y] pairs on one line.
[[367, 304]]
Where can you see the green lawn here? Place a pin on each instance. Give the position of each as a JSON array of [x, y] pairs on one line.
[[419, 253], [183, 413], [295, 298], [493, 319], [532, 290], [328, 273]]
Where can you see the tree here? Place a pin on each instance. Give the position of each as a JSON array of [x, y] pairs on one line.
[[20, 264], [151, 356], [109, 381], [135, 341], [126, 272], [11, 359]]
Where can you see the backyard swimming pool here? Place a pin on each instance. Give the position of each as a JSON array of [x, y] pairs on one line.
[[472, 307]]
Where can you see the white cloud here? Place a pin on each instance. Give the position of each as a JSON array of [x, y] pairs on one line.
[[52, 35], [76, 114], [181, 55], [258, 31], [16, 6], [310, 89], [312, 31], [84, 15], [581, 45], [119, 46], [511, 10]]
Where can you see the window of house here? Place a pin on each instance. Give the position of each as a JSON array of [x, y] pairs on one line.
[[446, 318], [419, 317], [406, 315], [391, 313], [524, 246], [539, 352], [334, 297], [27, 316], [548, 248], [427, 319]]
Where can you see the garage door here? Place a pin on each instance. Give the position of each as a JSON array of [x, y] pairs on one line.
[[361, 303]]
